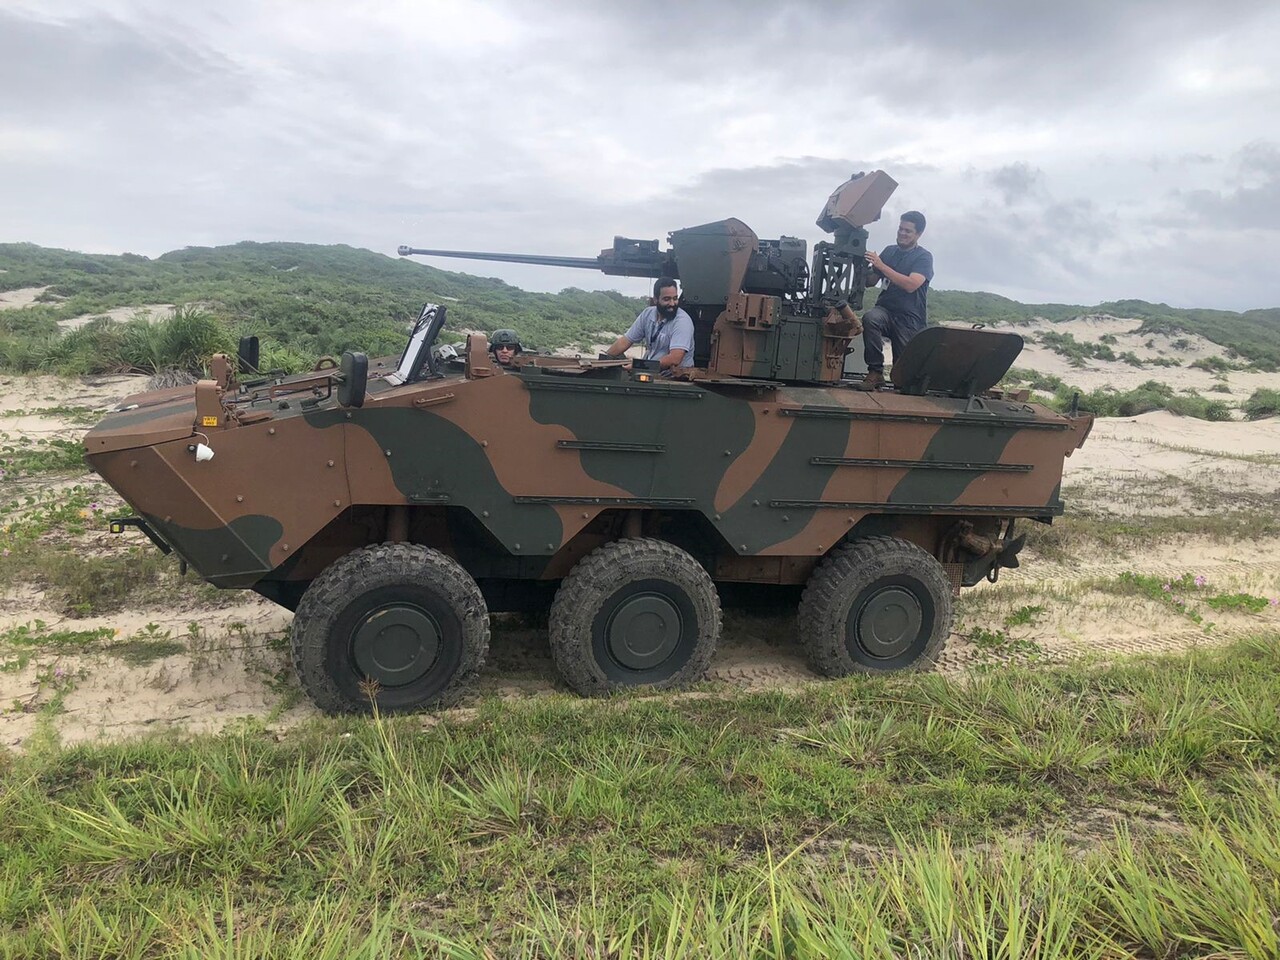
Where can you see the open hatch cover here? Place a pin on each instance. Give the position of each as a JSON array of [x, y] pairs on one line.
[[958, 361]]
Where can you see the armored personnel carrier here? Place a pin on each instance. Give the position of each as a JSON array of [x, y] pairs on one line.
[[393, 503]]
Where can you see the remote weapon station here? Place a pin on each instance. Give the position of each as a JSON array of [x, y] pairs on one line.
[[393, 503]]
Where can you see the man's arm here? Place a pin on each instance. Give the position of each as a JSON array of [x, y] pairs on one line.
[[909, 282], [672, 358], [634, 334], [681, 342], [619, 347]]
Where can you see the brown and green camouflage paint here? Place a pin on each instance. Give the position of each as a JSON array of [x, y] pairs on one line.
[[537, 458]]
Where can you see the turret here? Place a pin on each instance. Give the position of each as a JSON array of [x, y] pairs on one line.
[[759, 308]]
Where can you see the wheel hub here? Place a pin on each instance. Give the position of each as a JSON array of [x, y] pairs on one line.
[[644, 631], [888, 623], [396, 645]]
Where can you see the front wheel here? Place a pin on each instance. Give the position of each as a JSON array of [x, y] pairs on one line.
[[875, 605], [634, 613], [394, 624]]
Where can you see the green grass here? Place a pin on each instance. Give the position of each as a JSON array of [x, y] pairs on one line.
[[1060, 812], [25, 458]]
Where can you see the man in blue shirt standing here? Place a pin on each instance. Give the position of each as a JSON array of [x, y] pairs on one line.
[[665, 329], [899, 313]]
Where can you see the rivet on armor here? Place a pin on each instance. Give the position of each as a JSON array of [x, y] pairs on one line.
[[226, 557], [484, 513], [331, 463], [387, 452], [484, 443], [284, 546], [133, 463], [271, 430], [728, 453], [239, 498], [337, 503]]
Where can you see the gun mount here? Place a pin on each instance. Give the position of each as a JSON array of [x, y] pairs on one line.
[[761, 308]]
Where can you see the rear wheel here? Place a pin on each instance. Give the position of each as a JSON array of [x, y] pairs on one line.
[[875, 605], [634, 613], [394, 623]]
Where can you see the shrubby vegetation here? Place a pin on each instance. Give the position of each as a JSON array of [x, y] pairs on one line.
[[1263, 403], [305, 301], [1108, 402], [1074, 350], [308, 301]]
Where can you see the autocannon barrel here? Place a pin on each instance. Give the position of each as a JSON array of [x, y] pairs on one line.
[[585, 263]]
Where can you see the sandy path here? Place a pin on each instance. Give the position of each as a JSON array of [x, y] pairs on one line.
[[22, 297]]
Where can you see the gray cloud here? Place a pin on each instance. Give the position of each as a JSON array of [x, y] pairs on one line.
[[1062, 153], [1015, 181]]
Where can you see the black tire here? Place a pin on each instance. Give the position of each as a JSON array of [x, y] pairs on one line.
[[634, 613], [405, 616], [875, 605]]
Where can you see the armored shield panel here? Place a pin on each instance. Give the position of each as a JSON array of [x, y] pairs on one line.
[[957, 361]]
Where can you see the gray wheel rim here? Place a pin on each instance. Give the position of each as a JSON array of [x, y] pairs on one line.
[[888, 623], [644, 631], [396, 645]]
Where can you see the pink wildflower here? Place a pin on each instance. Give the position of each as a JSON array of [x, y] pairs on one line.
[[1165, 588], [1201, 581]]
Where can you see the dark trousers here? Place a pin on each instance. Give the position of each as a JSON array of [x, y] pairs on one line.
[[877, 324]]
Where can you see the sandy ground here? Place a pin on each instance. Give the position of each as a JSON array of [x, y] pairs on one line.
[[154, 311], [22, 297], [228, 663], [1123, 376], [26, 296]]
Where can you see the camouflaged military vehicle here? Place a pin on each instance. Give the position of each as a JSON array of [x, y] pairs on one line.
[[393, 503]]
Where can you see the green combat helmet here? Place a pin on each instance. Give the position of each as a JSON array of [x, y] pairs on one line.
[[504, 338]]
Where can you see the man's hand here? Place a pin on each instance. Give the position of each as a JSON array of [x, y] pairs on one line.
[[908, 282]]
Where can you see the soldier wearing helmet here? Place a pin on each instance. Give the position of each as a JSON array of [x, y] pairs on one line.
[[505, 347]]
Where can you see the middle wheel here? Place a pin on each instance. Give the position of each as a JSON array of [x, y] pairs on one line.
[[634, 613]]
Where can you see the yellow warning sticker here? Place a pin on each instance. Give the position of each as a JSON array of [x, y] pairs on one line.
[[208, 421]]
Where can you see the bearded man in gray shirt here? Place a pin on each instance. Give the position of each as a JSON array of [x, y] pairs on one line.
[[664, 329]]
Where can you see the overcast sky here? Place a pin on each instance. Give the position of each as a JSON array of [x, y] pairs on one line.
[[1073, 152]]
